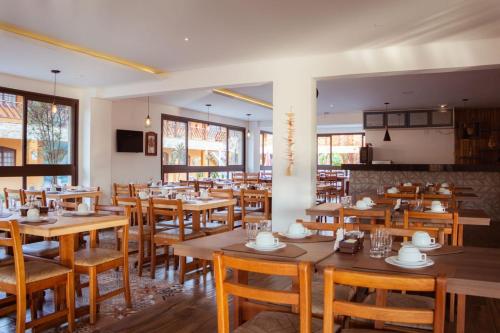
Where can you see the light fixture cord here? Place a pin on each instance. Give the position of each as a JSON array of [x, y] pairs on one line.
[[148, 106], [55, 83]]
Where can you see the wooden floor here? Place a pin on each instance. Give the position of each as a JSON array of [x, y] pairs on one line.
[[195, 309]]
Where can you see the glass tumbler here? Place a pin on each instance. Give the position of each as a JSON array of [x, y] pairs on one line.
[[253, 229]]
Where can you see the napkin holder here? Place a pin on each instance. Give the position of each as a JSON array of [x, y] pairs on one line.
[[350, 245]]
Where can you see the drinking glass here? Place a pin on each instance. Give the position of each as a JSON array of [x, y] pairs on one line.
[[377, 245], [59, 207], [253, 229], [419, 205], [346, 201], [388, 244], [380, 190]]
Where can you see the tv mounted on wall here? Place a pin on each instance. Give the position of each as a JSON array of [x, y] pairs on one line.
[[129, 141]]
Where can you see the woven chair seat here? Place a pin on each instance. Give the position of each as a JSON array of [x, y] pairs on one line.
[[96, 256], [34, 271], [44, 249]]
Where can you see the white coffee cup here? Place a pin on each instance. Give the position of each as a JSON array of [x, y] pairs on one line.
[[422, 238], [362, 204], [369, 201], [203, 194], [83, 207], [407, 184], [296, 229], [392, 190], [410, 253], [33, 214], [438, 209], [143, 195], [436, 203], [266, 239]]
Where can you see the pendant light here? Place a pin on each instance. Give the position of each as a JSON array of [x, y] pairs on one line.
[[54, 106], [248, 131], [147, 121], [387, 137]]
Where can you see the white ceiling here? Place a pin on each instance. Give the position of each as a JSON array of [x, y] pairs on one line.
[[222, 31], [360, 93]]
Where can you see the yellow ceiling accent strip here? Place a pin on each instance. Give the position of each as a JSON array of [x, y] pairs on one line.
[[241, 97], [80, 49]]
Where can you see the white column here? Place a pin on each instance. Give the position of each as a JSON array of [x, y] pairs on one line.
[[253, 148], [292, 195]]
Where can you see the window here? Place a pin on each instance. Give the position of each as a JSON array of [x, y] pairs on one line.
[[36, 143], [337, 149], [194, 149], [266, 150]]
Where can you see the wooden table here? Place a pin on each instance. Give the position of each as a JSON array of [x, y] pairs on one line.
[[73, 195], [67, 229], [203, 248], [475, 272]]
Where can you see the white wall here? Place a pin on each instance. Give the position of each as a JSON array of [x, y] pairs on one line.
[[129, 114], [419, 146]]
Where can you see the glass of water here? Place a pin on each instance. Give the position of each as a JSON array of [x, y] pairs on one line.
[[377, 244], [253, 229]]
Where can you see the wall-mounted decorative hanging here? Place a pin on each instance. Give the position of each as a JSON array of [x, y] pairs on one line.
[[290, 141], [150, 144]]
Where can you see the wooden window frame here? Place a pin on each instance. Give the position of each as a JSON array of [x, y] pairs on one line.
[[186, 168], [27, 170], [330, 166], [3, 150], [261, 157]]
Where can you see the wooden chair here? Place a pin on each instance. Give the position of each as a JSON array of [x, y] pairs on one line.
[[224, 217], [371, 214], [138, 231], [29, 197], [12, 194], [238, 177], [122, 190], [251, 177], [136, 188], [254, 206], [26, 278], [381, 311], [447, 221], [263, 317], [401, 195], [93, 260], [159, 208]]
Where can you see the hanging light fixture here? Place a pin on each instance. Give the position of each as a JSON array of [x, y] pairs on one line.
[[54, 106], [443, 108], [248, 120], [387, 137], [147, 121]]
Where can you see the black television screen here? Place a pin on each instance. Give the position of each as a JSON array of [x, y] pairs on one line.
[[129, 141]]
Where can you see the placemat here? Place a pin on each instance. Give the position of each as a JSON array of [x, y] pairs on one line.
[[372, 264], [444, 250], [91, 215], [5, 215], [49, 220], [290, 251], [310, 239]]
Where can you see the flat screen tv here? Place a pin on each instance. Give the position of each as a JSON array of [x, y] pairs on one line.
[[129, 141]]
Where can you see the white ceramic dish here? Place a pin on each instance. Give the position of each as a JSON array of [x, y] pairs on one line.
[[296, 236], [359, 208], [435, 211], [254, 246], [394, 260], [431, 247], [87, 213]]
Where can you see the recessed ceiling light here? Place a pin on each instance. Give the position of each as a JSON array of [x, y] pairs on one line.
[[186, 39], [442, 106]]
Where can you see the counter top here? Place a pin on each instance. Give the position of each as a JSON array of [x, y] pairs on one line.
[[423, 167]]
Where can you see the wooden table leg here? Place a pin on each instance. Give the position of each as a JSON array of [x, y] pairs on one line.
[[67, 258], [460, 313], [460, 235], [196, 220]]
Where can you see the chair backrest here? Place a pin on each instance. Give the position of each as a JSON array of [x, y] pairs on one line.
[[379, 311], [401, 195], [136, 188], [370, 214], [115, 210], [406, 233], [136, 212], [15, 242], [12, 194], [238, 176], [225, 286], [221, 193], [251, 177], [166, 208], [33, 196], [411, 217], [255, 198], [122, 190], [205, 184]]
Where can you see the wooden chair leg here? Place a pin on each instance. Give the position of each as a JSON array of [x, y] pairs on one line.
[[182, 271], [93, 294], [33, 307], [70, 301], [167, 259], [153, 259], [20, 313], [452, 308], [126, 285], [78, 286], [204, 265], [141, 257], [461, 313]]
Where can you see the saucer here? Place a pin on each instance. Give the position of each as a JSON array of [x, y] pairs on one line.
[[205, 199], [431, 247], [359, 208], [296, 236], [436, 212], [394, 260], [254, 246], [87, 213]]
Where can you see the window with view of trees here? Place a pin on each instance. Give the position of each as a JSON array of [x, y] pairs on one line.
[[266, 150], [35, 143], [337, 149], [199, 149]]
